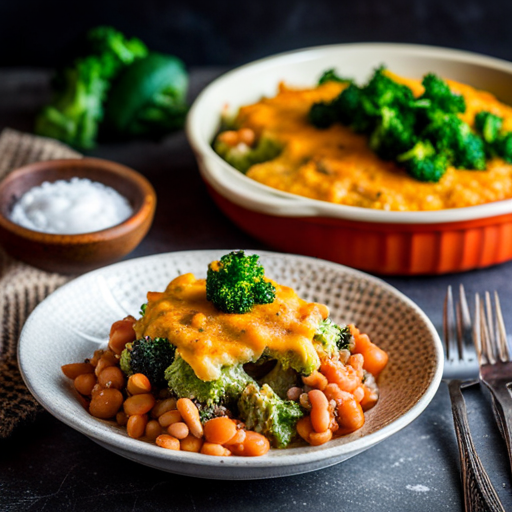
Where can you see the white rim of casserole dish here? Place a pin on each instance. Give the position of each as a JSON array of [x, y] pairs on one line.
[[252, 195]]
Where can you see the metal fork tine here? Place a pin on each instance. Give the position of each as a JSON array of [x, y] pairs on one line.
[[487, 351], [491, 350], [501, 333], [448, 325], [464, 325], [477, 329]]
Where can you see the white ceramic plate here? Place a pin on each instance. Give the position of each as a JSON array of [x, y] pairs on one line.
[[75, 320]]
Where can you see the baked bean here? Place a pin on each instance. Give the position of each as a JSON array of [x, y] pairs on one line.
[[359, 393], [153, 430], [190, 415], [162, 406], [370, 398], [138, 383], [121, 333], [169, 417], [111, 377], [350, 416], [178, 430], [304, 401], [73, 370], [247, 136], [238, 438], [85, 383], [191, 444], [219, 430], [320, 417], [107, 359], [304, 428], [318, 438], [294, 393], [215, 449], [139, 404], [136, 425], [315, 380], [229, 137], [346, 377], [168, 442], [255, 444], [106, 403], [121, 418], [97, 356]]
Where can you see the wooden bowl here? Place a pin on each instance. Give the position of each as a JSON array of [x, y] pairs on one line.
[[78, 253]]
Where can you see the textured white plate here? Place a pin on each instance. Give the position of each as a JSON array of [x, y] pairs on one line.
[[75, 320]]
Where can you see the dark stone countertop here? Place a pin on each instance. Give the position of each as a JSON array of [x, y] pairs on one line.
[[48, 466]]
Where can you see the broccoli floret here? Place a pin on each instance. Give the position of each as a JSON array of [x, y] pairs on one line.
[[489, 126], [333, 338], [184, 383], [449, 134], [382, 91], [331, 76], [394, 134], [76, 109], [113, 49], [503, 147], [280, 380], [150, 357], [149, 97], [264, 412], [322, 115], [237, 282], [242, 156], [438, 93], [424, 163]]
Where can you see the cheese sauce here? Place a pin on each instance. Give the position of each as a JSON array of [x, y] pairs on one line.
[[336, 164], [209, 339]]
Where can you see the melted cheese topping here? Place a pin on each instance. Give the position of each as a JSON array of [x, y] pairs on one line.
[[208, 339], [336, 164]]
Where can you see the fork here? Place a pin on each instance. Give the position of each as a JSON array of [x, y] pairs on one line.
[[479, 493], [495, 364]]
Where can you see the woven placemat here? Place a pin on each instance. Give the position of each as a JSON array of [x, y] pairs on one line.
[[22, 287]]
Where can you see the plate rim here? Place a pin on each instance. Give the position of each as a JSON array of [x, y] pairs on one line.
[[93, 428]]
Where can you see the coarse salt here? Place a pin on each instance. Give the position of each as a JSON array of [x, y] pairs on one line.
[[71, 207]]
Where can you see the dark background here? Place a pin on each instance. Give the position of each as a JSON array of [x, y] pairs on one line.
[[229, 32]]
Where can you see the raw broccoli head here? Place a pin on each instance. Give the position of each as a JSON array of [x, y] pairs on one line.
[[184, 383], [114, 49], [332, 337], [150, 357], [264, 412], [236, 283], [438, 93], [423, 162], [489, 126]]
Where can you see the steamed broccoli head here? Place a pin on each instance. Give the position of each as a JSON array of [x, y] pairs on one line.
[[503, 147], [488, 125], [237, 282], [330, 75], [280, 379], [184, 383], [423, 162], [243, 156], [150, 357], [382, 91], [438, 93], [264, 412], [332, 337], [393, 135]]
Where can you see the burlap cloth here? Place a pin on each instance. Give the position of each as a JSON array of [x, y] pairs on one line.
[[22, 287]]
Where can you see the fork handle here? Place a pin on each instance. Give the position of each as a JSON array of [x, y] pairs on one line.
[[479, 493], [502, 404]]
